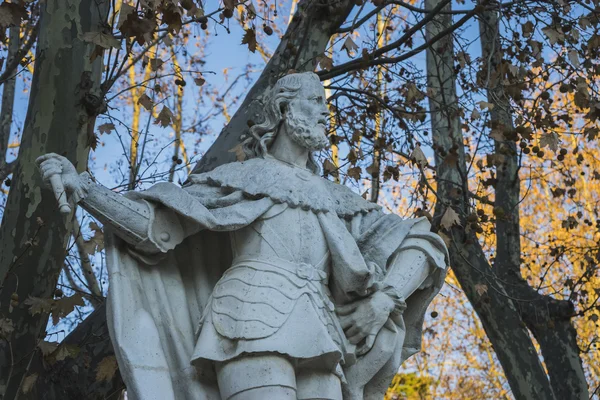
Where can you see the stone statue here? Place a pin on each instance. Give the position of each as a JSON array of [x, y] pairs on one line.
[[260, 279]]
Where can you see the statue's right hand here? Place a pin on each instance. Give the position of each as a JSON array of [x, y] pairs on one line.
[[53, 164]]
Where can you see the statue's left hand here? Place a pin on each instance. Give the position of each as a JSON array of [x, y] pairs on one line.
[[364, 318]]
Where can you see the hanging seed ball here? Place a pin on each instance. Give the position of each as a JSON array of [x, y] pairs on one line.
[[480, 212], [540, 154], [535, 149], [560, 157], [434, 314], [479, 230], [204, 25], [526, 150], [523, 144], [14, 297], [58, 293], [563, 152], [267, 29], [14, 303], [228, 13]]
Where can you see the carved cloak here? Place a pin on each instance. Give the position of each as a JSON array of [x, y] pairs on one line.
[[156, 301]]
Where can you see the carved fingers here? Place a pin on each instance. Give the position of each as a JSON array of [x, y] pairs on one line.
[[363, 319], [52, 164], [49, 165], [368, 345], [357, 327]]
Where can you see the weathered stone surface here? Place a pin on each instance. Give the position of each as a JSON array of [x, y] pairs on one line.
[[278, 285]]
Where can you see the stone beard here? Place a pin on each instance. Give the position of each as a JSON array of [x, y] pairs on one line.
[[308, 134], [259, 279]]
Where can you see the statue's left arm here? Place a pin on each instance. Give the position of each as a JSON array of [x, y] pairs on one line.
[[408, 257]]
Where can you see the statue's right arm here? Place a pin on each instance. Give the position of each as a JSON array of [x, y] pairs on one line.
[[136, 222]]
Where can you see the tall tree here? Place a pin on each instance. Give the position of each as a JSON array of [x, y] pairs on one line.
[[547, 318], [497, 312], [34, 236]]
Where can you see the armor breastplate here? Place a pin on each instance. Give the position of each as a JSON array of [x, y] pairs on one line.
[[288, 233]]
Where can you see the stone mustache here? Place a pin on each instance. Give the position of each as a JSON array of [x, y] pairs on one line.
[[260, 279]]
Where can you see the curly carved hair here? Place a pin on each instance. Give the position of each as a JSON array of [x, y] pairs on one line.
[[275, 102]]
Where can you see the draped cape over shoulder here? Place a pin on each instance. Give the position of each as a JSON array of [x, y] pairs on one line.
[[156, 300]]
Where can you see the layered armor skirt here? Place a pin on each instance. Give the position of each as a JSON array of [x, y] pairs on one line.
[[271, 306]]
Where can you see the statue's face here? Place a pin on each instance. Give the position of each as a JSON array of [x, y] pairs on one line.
[[306, 117]]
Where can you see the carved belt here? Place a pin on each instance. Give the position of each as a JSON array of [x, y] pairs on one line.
[[301, 270]]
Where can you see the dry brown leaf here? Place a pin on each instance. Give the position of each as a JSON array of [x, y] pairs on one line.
[[329, 167], [6, 327], [103, 40], [38, 305], [250, 39], [106, 128], [551, 140], [449, 219], [95, 243], [326, 63], [28, 383], [354, 173], [66, 351], [418, 156], [349, 46], [156, 64], [124, 12], [199, 80], [140, 28], [574, 58], [413, 94], [239, 152], [553, 34], [481, 289], [47, 348], [11, 14], [165, 117], [485, 104], [146, 102], [527, 28], [64, 306], [106, 369]]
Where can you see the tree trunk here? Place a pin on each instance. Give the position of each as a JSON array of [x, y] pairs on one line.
[[60, 118], [8, 103], [306, 38], [497, 312], [547, 318]]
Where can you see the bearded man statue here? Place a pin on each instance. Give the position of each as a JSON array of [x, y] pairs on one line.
[[260, 279]]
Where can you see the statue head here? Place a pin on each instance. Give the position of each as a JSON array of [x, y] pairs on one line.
[[297, 103]]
